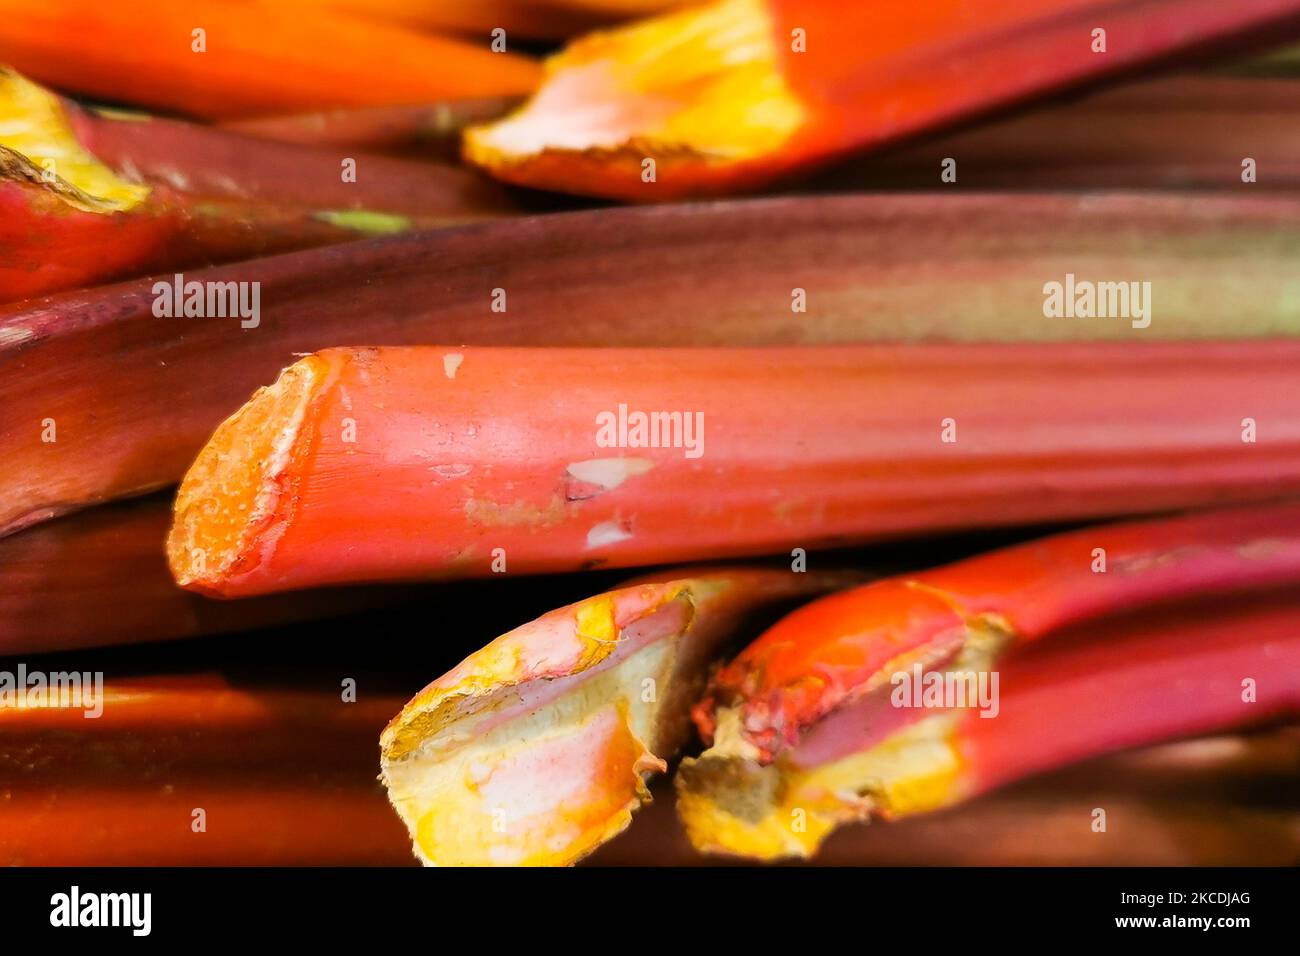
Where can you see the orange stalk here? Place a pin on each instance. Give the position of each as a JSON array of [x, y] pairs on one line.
[[250, 59], [428, 130], [283, 775], [741, 92], [536, 749], [549, 459], [811, 716], [540, 19]]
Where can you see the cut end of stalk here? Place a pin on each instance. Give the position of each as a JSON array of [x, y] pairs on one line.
[[807, 734], [534, 751], [236, 485], [701, 89], [830, 654], [38, 146], [735, 806]]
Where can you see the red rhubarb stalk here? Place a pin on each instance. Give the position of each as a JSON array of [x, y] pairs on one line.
[[86, 199], [551, 456], [1144, 136], [1025, 591], [740, 92], [812, 706], [1122, 683], [134, 396], [1160, 675]]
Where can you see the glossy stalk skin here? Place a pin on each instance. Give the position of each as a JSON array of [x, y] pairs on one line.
[[258, 59], [819, 80], [828, 654], [101, 578], [135, 396], [801, 447], [1181, 673], [536, 749], [1148, 135], [1162, 674], [284, 774]]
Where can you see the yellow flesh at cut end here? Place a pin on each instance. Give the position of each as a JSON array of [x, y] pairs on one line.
[[730, 805], [705, 81], [35, 129], [232, 487], [543, 787], [534, 751]]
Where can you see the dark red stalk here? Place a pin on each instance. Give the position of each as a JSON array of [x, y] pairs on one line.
[[100, 578], [134, 396], [203, 161], [1149, 135]]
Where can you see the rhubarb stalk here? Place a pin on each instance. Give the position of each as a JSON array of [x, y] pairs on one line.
[[536, 749], [222, 164], [806, 724], [133, 397], [740, 92], [1143, 136], [277, 774], [550, 457], [538, 19], [1211, 801], [220, 60], [71, 216], [101, 578], [429, 130]]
